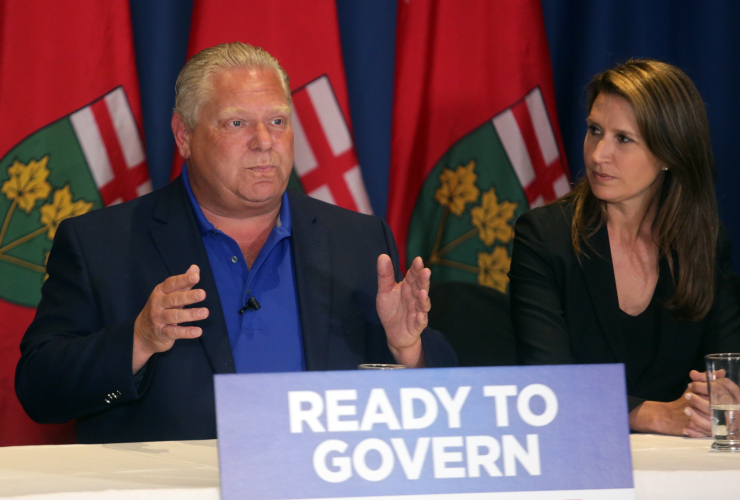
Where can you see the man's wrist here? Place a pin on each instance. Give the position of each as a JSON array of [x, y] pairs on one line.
[[140, 354], [411, 356]]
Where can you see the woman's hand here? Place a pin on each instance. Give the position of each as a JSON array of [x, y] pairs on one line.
[[688, 415], [725, 392]]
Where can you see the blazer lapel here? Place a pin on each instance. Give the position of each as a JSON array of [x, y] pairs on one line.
[[598, 271], [311, 257], [179, 243]]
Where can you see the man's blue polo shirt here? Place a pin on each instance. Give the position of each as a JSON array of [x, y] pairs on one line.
[[268, 339]]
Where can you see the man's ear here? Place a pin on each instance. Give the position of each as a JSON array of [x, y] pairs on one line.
[[182, 135]]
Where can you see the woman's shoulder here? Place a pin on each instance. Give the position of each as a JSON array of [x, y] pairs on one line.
[[550, 223]]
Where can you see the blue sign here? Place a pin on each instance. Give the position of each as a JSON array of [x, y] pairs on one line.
[[561, 432]]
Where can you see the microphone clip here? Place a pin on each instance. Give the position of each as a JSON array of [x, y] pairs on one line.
[[252, 305]]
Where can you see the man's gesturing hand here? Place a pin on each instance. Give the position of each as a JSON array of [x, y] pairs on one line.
[[402, 308], [156, 327]]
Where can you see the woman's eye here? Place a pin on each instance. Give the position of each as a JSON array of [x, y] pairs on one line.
[[623, 138], [593, 130]]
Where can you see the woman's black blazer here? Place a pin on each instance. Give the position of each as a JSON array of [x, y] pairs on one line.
[[566, 310]]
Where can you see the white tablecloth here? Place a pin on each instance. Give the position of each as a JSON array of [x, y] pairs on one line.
[[168, 470], [665, 467], [682, 468]]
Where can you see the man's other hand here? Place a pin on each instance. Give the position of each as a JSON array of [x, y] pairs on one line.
[[156, 327], [402, 308]]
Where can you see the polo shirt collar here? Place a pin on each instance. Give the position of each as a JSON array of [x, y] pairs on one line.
[[283, 225]]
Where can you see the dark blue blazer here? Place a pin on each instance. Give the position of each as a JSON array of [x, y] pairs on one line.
[[76, 355]]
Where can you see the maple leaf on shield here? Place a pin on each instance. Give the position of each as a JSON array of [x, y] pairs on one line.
[[62, 208], [27, 183], [458, 188], [492, 219], [493, 268]]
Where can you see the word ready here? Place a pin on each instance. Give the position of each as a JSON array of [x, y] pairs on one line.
[[513, 433]]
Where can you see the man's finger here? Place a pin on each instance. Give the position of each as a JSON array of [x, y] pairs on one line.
[[182, 332], [422, 320], [417, 277], [417, 265], [425, 278], [181, 281], [182, 298], [177, 316], [419, 273], [423, 303], [386, 278]]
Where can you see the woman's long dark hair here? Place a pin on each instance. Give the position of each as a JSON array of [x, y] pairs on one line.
[[672, 121]]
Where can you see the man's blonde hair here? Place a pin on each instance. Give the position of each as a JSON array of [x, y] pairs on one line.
[[193, 85]]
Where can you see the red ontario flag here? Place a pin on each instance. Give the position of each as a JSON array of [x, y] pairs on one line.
[[475, 135], [325, 158], [526, 133], [110, 140], [70, 142]]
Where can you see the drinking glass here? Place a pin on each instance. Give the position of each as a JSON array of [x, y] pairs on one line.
[[723, 377]]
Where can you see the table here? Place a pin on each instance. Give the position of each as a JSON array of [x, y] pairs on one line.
[[665, 467], [168, 470], [682, 468]]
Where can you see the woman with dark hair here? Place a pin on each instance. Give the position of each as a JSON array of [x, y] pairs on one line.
[[630, 267]]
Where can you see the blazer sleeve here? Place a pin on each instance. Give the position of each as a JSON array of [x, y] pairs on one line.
[[723, 330], [71, 365], [437, 350], [536, 295]]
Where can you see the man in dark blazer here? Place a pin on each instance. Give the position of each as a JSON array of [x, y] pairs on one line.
[[131, 328]]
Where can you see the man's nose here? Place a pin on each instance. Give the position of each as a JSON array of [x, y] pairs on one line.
[[262, 139]]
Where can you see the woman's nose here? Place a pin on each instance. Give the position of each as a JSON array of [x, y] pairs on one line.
[[601, 151]]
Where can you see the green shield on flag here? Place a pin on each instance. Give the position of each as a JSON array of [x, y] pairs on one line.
[[91, 158], [463, 221], [43, 180], [462, 224]]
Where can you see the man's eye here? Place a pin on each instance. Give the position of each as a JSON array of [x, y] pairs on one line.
[[236, 123], [278, 121]]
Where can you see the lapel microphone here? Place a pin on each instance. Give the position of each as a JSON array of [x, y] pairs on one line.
[[252, 305]]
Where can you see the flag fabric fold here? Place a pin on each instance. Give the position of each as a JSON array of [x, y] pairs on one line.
[[475, 139]]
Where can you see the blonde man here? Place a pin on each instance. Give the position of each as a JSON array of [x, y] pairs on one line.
[[222, 271]]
